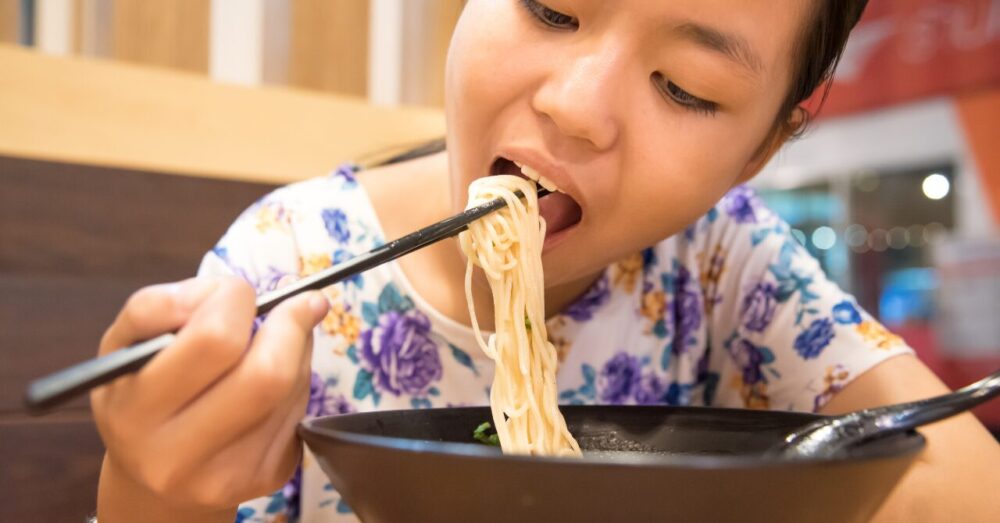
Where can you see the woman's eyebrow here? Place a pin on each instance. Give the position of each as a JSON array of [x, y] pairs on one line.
[[732, 46]]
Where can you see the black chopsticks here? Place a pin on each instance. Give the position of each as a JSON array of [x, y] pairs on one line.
[[49, 391]]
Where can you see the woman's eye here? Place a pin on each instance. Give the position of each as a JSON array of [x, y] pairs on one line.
[[684, 98], [550, 17]]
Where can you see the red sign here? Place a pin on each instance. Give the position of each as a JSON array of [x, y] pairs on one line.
[[908, 49]]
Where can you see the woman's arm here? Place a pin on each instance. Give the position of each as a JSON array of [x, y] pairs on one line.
[[954, 478], [119, 498]]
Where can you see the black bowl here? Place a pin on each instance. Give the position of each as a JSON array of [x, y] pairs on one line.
[[640, 464]]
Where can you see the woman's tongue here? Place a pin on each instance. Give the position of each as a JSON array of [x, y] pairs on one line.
[[559, 211]]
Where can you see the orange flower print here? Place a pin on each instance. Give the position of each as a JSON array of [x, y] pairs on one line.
[[313, 263], [754, 394], [874, 333], [833, 381], [626, 273], [654, 303], [272, 215], [712, 270], [561, 344], [339, 321]]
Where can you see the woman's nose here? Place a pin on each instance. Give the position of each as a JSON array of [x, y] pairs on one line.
[[579, 96]]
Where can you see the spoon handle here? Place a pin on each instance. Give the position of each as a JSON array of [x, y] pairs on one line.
[[831, 436], [914, 414]]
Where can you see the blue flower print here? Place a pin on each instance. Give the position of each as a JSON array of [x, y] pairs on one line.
[[740, 204], [619, 378], [287, 499], [322, 402], [400, 355], [586, 305], [650, 390], [750, 359], [811, 342], [845, 313], [341, 256], [346, 172], [759, 306], [335, 221], [686, 308]]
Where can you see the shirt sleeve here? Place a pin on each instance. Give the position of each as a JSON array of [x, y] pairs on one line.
[[788, 337], [261, 247]]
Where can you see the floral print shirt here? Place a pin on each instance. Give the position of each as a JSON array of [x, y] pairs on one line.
[[732, 312]]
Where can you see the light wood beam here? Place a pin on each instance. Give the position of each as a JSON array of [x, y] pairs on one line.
[[96, 112]]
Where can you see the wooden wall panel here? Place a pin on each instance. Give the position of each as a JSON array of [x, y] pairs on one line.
[[171, 33], [424, 61], [330, 45], [75, 241], [50, 469], [9, 17]]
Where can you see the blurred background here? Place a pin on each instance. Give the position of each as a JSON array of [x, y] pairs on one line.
[[133, 131]]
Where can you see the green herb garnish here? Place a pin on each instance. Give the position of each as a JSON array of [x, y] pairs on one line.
[[485, 435], [527, 322]]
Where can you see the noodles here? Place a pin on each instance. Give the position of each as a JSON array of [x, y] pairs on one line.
[[507, 245]]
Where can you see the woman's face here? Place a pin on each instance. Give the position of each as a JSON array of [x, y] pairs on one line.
[[645, 112]]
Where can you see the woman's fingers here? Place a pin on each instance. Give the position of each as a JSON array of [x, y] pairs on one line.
[[149, 312], [154, 310], [210, 344], [270, 372]]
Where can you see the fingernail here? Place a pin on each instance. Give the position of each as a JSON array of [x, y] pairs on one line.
[[319, 306]]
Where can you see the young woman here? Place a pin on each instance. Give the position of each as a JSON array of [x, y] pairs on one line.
[[666, 280]]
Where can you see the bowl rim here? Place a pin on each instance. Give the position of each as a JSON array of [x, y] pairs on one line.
[[913, 443]]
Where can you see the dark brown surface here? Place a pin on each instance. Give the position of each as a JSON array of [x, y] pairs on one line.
[[75, 241], [680, 464], [49, 469]]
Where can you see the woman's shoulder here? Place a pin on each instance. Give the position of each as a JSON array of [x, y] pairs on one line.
[[299, 228], [739, 225]]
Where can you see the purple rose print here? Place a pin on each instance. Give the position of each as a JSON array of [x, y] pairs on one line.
[[400, 354], [619, 378], [686, 308], [749, 358], [650, 390], [335, 222], [291, 492], [811, 342], [740, 204], [317, 396], [584, 307], [846, 313], [322, 403], [759, 306]]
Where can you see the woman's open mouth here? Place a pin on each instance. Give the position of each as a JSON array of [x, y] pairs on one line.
[[560, 211]]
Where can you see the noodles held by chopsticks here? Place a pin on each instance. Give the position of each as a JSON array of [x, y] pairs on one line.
[[507, 245]]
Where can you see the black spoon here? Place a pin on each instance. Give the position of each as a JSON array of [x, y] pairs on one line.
[[832, 437]]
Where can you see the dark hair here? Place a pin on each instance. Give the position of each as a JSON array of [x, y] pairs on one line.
[[818, 54]]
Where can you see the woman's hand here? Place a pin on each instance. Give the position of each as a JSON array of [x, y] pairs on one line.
[[210, 421]]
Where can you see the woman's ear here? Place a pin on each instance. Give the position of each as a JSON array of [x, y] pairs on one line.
[[780, 134]]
